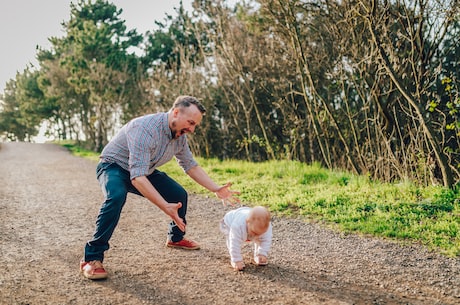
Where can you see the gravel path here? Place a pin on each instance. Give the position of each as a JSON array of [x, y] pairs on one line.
[[48, 204]]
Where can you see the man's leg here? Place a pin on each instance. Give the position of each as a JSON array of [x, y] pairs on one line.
[[172, 192], [114, 183]]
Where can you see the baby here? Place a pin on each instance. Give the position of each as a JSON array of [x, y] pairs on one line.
[[247, 224]]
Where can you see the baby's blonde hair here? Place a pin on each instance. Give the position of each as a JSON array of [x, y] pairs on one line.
[[259, 219]]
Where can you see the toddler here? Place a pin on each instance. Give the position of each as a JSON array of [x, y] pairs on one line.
[[247, 224]]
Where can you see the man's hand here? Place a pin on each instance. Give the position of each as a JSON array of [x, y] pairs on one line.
[[227, 196], [172, 210], [223, 192], [143, 185]]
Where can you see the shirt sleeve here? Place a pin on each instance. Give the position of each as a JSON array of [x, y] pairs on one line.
[[236, 238], [185, 157], [140, 146], [265, 242]]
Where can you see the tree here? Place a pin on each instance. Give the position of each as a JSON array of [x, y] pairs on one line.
[[418, 27], [23, 107], [101, 77]]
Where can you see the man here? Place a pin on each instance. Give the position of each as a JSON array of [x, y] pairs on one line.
[[129, 163]]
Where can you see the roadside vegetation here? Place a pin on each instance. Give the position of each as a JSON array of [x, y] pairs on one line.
[[398, 211], [368, 87]]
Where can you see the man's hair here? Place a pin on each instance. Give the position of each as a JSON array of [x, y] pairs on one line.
[[185, 101]]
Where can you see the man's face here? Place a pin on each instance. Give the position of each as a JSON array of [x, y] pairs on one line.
[[185, 120]]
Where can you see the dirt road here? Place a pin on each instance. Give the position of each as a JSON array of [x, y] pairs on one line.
[[48, 204]]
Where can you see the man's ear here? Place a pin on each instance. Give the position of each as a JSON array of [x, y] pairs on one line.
[[175, 112]]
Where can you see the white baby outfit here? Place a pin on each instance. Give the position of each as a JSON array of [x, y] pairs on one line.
[[233, 225]]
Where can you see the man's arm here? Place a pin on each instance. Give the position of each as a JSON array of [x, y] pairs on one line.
[[143, 185], [224, 193]]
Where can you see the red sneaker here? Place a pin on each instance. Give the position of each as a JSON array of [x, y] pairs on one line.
[[93, 270], [183, 244]]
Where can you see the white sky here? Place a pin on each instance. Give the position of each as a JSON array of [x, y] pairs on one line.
[[24, 24]]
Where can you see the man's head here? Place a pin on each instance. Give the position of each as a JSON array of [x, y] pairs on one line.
[[258, 221], [185, 114]]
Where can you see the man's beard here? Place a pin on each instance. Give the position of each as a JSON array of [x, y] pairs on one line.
[[176, 133]]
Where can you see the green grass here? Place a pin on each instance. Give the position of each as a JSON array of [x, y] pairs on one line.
[[79, 151], [345, 202]]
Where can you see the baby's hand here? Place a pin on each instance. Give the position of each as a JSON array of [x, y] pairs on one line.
[[238, 266], [261, 260]]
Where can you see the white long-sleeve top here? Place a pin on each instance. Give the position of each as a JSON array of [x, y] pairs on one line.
[[233, 225]]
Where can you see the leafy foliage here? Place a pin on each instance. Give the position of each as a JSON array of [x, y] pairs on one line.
[[370, 88]]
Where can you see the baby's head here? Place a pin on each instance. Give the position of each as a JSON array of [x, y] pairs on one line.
[[258, 221]]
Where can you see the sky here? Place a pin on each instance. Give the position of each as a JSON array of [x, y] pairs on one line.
[[24, 24]]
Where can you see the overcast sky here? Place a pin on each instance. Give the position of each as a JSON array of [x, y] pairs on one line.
[[24, 24]]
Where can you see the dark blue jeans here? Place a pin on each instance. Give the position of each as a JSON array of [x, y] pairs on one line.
[[115, 183]]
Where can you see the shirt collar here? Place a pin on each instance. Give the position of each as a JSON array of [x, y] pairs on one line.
[[165, 126]]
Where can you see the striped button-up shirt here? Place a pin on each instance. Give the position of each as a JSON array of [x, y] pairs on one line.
[[145, 143]]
